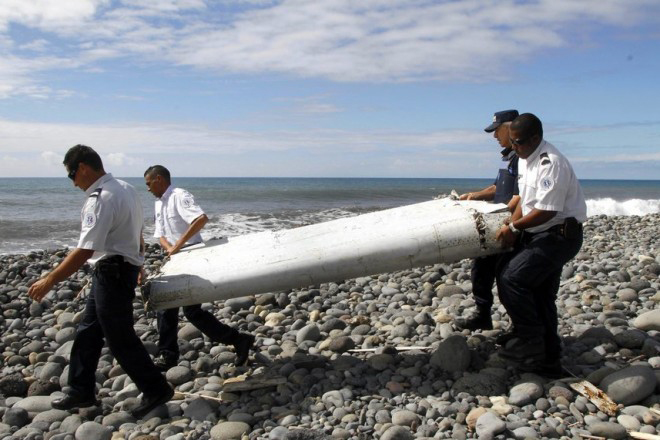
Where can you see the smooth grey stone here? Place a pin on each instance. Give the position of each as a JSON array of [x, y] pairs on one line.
[[525, 432], [51, 416], [229, 430], [309, 332], [189, 332], [397, 433], [629, 385], [49, 370], [238, 304], [71, 423], [524, 393], [115, 420], [93, 430], [16, 417], [629, 422], [405, 418], [608, 430], [179, 375], [630, 338], [198, 409], [278, 433], [447, 290], [488, 424], [648, 321], [341, 344], [65, 335], [35, 404]]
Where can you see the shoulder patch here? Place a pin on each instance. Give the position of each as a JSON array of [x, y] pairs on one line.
[[89, 219], [547, 183], [187, 201]]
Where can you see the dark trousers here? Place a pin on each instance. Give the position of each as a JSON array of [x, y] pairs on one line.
[[109, 315], [483, 276], [168, 321], [528, 282]]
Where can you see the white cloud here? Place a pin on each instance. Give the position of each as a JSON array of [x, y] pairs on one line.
[[120, 159], [620, 158], [340, 40], [51, 158]]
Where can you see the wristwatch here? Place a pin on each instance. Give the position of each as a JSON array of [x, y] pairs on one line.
[[514, 229]]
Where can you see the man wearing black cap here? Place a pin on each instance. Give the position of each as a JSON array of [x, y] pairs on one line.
[[503, 190]]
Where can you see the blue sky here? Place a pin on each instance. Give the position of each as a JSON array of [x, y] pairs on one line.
[[328, 88]]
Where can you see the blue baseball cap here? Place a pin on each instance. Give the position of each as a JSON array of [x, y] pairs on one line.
[[500, 117]]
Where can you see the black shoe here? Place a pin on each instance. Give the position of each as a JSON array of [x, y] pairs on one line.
[[242, 347], [149, 403], [551, 370], [164, 362], [503, 338], [524, 350], [73, 401], [479, 321]]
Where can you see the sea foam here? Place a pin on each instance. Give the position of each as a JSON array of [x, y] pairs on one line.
[[609, 206]]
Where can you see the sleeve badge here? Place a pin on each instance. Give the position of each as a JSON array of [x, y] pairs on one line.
[[89, 220]]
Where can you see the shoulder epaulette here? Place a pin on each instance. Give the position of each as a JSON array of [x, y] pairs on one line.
[[96, 192], [545, 160]]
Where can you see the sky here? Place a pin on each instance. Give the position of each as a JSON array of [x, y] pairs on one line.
[[326, 88]]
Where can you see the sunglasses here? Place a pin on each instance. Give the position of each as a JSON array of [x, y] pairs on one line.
[[72, 174], [518, 141]]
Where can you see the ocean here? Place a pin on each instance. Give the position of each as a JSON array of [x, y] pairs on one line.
[[44, 213]]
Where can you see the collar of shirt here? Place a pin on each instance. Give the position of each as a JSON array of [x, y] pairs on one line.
[[101, 180], [508, 156], [535, 155], [167, 193]]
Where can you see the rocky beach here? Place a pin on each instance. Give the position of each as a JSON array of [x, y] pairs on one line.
[[375, 357]]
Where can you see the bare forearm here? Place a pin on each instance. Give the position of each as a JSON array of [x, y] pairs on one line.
[[513, 205], [487, 193], [193, 229], [164, 243], [69, 265]]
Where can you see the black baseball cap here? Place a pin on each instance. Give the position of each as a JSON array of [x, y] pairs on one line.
[[501, 117]]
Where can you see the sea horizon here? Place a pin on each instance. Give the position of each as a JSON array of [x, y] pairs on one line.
[[44, 213]]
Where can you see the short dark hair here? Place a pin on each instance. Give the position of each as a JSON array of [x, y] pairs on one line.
[[527, 125], [82, 154], [158, 170]]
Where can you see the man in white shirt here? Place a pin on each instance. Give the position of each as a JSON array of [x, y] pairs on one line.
[[546, 230], [178, 222], [111, 232]]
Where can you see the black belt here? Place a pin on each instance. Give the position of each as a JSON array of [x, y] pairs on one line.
[[560, 229], [115, 259]]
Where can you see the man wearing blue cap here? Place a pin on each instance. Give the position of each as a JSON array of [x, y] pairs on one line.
[[503, 190]]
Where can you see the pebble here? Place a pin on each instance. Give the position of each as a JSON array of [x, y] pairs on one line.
[[93, 430], [489, 425], [630, 385], [608, 430], [648, 321], [453, 386]]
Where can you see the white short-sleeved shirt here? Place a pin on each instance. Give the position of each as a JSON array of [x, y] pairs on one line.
[[547, 182], [175, 211], [112, 220]]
